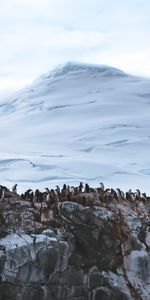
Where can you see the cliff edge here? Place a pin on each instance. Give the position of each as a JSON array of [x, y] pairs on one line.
[[97, 250]]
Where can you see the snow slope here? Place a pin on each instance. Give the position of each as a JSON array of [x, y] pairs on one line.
[[78, 122]]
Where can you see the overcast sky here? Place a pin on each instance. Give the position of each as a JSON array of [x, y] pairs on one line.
[[37, 35]]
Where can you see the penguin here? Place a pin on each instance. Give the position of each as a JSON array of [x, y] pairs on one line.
[[114, 194], [47, 195], [58, 189], [120, 194], [81, 187], [87, 188], [27, 193], [57, 196], [14, 188], [102, 186], [68, 193], [23, 197], [108, 195], [127, 196], [72, 191], [64, 192], [130, 195], [143, 196], [47, 190], [137, 194], [64, 187], [6, 194]]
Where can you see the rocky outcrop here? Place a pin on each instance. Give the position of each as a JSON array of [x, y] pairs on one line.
[[75, 252]]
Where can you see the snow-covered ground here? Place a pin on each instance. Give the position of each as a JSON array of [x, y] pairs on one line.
[[78, 122]]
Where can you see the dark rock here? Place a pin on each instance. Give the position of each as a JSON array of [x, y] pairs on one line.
[[47, 260], [82, 252]]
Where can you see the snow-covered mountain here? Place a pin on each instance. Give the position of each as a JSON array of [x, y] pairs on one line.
[[78, 122]]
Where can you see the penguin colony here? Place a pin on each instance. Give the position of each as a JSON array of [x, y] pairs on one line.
[[52, 197], [48, 204]]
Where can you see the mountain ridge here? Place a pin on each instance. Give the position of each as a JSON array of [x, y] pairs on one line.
[[74, 66]]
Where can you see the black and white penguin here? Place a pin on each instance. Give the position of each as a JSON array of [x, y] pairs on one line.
[[114, 194], [87, 188], [102, 186], [81, 187], [14, 188], [137, 194], [47, 194], [120, 194]]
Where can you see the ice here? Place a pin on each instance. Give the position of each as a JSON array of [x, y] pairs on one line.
[[78, 122]]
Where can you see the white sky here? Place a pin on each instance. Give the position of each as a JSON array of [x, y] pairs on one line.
[[37, 35]]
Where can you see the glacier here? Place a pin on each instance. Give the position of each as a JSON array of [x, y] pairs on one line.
[[79, 122]]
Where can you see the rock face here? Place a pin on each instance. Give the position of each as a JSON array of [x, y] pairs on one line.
[[79, 253]]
